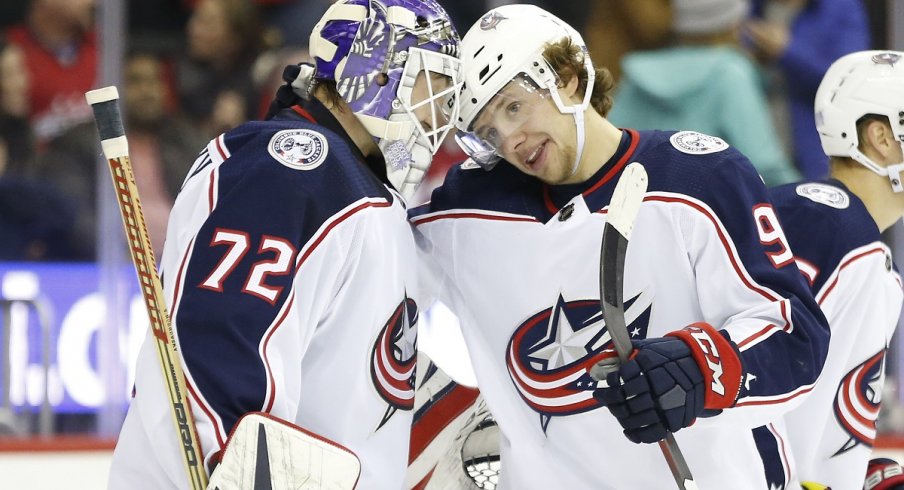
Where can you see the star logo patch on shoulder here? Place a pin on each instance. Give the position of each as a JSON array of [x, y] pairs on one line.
[[301, 149], [694, 143], [824, 194]]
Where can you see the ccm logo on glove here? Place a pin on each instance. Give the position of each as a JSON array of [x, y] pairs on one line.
[[718, 360]]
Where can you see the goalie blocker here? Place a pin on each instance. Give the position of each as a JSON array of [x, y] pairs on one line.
[[265, 452]]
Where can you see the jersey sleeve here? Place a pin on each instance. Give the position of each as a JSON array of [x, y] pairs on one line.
[[750, 288], [259, 273]]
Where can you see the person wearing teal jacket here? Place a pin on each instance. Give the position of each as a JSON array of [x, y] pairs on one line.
[[705, 83]]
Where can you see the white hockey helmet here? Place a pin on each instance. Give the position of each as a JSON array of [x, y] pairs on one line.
[[858, 84], [506, 42]]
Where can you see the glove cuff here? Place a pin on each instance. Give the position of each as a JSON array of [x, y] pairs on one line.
[[719, 362], [883, 474]]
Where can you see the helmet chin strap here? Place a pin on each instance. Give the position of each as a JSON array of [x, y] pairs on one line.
[[579, 125], [893, 172]]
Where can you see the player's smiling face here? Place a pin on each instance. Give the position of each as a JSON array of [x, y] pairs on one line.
[[526, 128]]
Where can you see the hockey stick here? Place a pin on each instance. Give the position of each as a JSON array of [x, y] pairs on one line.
[[623, 208], [104, 102]]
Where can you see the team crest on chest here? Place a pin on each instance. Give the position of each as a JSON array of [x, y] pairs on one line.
[[824, 194], [857, 402], [394, 358], [694, 143], [301, 149], [549, 355]]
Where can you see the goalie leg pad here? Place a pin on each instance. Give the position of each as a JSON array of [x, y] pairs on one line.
[[269, 453]]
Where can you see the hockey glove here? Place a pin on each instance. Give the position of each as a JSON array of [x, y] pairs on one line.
[[884, 474], [670, 381]]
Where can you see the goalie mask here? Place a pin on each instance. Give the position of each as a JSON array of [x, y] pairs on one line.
[[494, 65], [375, 50], [856, 85]]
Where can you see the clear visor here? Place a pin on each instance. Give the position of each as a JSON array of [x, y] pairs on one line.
[[433, 99], [501, 119]]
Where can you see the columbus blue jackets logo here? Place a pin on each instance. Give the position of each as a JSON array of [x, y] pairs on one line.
[[301, 149], [394, 358], [694, 143], [886, 58], [549, 355], [857, 402], [490, 21], [824, 194]]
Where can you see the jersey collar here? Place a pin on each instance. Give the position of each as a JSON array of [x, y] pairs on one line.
[[556, 196]]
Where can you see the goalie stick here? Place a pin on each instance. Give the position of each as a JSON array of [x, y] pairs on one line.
[[623, 208], [104, 103]]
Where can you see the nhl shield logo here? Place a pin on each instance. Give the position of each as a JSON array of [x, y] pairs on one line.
[[301, 149]]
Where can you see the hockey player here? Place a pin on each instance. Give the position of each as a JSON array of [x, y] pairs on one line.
[[726, 332], [834, 228], [289, 262]]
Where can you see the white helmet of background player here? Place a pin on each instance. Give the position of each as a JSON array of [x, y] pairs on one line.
[[374, 50], [856, 85], [506, 45]]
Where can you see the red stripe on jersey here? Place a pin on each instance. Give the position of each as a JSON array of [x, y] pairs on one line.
[[221, 147], [210, 416], [421, 485], [271, 379], [786, 466], [364, 205], [775, 400], [440, 415], [842, 266], [473, 215], [303, 113], [211, 189]]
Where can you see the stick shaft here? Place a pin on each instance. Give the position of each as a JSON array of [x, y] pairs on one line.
[[623, 209], [115, 146]]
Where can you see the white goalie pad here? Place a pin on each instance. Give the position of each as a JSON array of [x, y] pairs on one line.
[[267, 453]]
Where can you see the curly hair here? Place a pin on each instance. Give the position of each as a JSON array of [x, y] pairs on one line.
[[567, 59]]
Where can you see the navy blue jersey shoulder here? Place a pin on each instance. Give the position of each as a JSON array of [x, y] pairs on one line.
[[340, 179], [707, 176], [824, 227]]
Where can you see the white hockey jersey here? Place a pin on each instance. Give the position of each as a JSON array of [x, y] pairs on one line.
[[838, 249], [518, 262], [289, 275]]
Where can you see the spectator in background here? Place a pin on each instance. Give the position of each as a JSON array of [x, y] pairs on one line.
[[57, 39], [705, 83], [615, 28], [214, 79], [801, 38], [163, 144], [34, 220]]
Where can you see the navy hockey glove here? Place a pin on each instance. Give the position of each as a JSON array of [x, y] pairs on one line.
[[884, 474], [670, 381]]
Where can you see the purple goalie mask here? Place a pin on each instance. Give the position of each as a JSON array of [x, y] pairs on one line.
[[375, 51]]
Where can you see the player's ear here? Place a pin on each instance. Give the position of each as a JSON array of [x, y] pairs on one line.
[[880, 137]]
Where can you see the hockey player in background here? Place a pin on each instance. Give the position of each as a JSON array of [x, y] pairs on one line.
[[289, 262], [720, 316], [834, 228]]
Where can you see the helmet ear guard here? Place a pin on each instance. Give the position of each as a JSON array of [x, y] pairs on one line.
[[857, 85], [375, 51]]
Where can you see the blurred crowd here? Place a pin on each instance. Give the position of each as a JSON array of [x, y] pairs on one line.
[[743, 70]]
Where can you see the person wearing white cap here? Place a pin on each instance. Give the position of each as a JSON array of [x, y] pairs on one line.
[[834, 226]]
